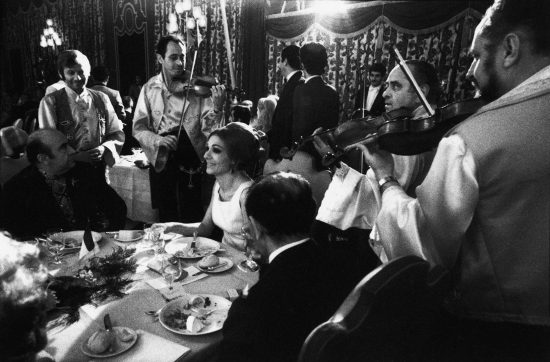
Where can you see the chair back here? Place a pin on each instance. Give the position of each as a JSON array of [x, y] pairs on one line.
[[392, 314]]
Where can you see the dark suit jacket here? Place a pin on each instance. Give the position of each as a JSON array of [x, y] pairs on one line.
[[28, 207], [114, 97], [377, 107], [316, 104], [281, 123], [300, 289]]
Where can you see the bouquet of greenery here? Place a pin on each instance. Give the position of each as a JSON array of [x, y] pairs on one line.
[[100, 279]]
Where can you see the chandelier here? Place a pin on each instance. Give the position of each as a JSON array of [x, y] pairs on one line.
[[49, 37]]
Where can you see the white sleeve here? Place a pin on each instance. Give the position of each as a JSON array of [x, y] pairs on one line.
[[46, 113], [433, 225]]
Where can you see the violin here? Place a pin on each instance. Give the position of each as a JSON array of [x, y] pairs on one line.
[[395, 131]]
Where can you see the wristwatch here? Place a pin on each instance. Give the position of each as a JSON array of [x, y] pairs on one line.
[[385, 182]]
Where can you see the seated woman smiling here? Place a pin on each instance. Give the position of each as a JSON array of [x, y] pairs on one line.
[[231, 157]]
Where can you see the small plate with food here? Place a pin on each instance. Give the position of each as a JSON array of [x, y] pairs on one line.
[[181, 247], [214, 264], [195, 315], [128, 236], [103, 344]]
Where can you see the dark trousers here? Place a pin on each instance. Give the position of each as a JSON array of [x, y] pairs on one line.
[[177, 195]]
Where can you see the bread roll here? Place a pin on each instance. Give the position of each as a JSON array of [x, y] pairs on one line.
[[209, 261], [100, 341]]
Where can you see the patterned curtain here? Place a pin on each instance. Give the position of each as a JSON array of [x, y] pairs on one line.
[[445, 47], [79, 24], [212, 54]]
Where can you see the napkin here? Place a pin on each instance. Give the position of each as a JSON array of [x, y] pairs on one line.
[[147, 348]]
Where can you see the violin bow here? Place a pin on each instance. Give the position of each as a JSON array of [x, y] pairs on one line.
[[185, 101], [405, 68]]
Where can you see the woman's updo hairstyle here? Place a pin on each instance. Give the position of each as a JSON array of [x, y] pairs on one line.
[[243, 146]]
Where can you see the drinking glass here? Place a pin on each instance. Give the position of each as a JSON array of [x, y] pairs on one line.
[[157, 237], [55, 243], [170, 271], [248, 265]]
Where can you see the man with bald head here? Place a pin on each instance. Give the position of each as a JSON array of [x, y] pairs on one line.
[[54, 192]]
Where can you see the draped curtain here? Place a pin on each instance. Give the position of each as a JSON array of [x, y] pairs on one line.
[[357, 39], [79, 24]]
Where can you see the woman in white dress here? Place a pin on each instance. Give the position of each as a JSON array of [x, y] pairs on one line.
[[231, 157]]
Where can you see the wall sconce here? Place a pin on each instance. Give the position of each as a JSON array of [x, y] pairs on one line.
[[197, 18], [49, 37]]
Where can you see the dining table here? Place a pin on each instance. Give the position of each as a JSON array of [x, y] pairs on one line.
[[154, 342], [132, 184]]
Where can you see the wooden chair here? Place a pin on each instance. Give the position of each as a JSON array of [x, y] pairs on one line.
[[392, 314]]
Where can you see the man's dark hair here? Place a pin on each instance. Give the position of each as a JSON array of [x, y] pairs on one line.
[[100, 73], [424, 73], [36, 146], [531, 16], [292, 54], [378, 67], [163, 43], [314, 58], [127, 101], [241, 114], [282, 203], [69, 58]]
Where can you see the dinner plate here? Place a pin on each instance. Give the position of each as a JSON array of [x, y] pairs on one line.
[[203, 247], [121, 346], [73, 239], [170, 315], [169, 236], [129, 236], [228, 265]]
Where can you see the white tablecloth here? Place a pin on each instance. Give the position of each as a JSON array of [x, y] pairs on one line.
[[64, 344], [132, 184]]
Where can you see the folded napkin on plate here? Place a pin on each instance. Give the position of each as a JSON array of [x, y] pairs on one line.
[[147, 348]]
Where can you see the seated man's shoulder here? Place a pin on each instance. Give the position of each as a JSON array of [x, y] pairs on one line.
[[24, 178]]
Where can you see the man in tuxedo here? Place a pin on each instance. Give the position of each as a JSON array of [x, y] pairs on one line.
[[371, 103], [300, 285], [279, 135], [56, 192], [316, 103]]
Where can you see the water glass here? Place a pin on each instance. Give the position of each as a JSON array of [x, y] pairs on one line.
[[248, 265], [170, 272], [55, 243]]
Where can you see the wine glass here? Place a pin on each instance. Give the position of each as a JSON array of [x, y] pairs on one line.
[[55, 243], [170, 272], [248, 265]]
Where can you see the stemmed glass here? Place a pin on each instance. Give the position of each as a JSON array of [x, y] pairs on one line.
[[170, 272], [248, 265], [157, 236], [55, 243]]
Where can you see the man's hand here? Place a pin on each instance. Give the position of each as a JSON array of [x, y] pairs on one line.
[[379, 160], [218, 97], [96, 154], [320, 145], [170, 142]]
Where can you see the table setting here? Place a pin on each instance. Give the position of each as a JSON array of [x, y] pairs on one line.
[[178, 292]]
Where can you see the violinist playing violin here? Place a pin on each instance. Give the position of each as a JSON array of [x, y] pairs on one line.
[[175, 174], [483, 209], [409, 170]]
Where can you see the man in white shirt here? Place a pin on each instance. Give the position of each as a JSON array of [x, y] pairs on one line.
[[176, 182], [85, 116], [483, 210]]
